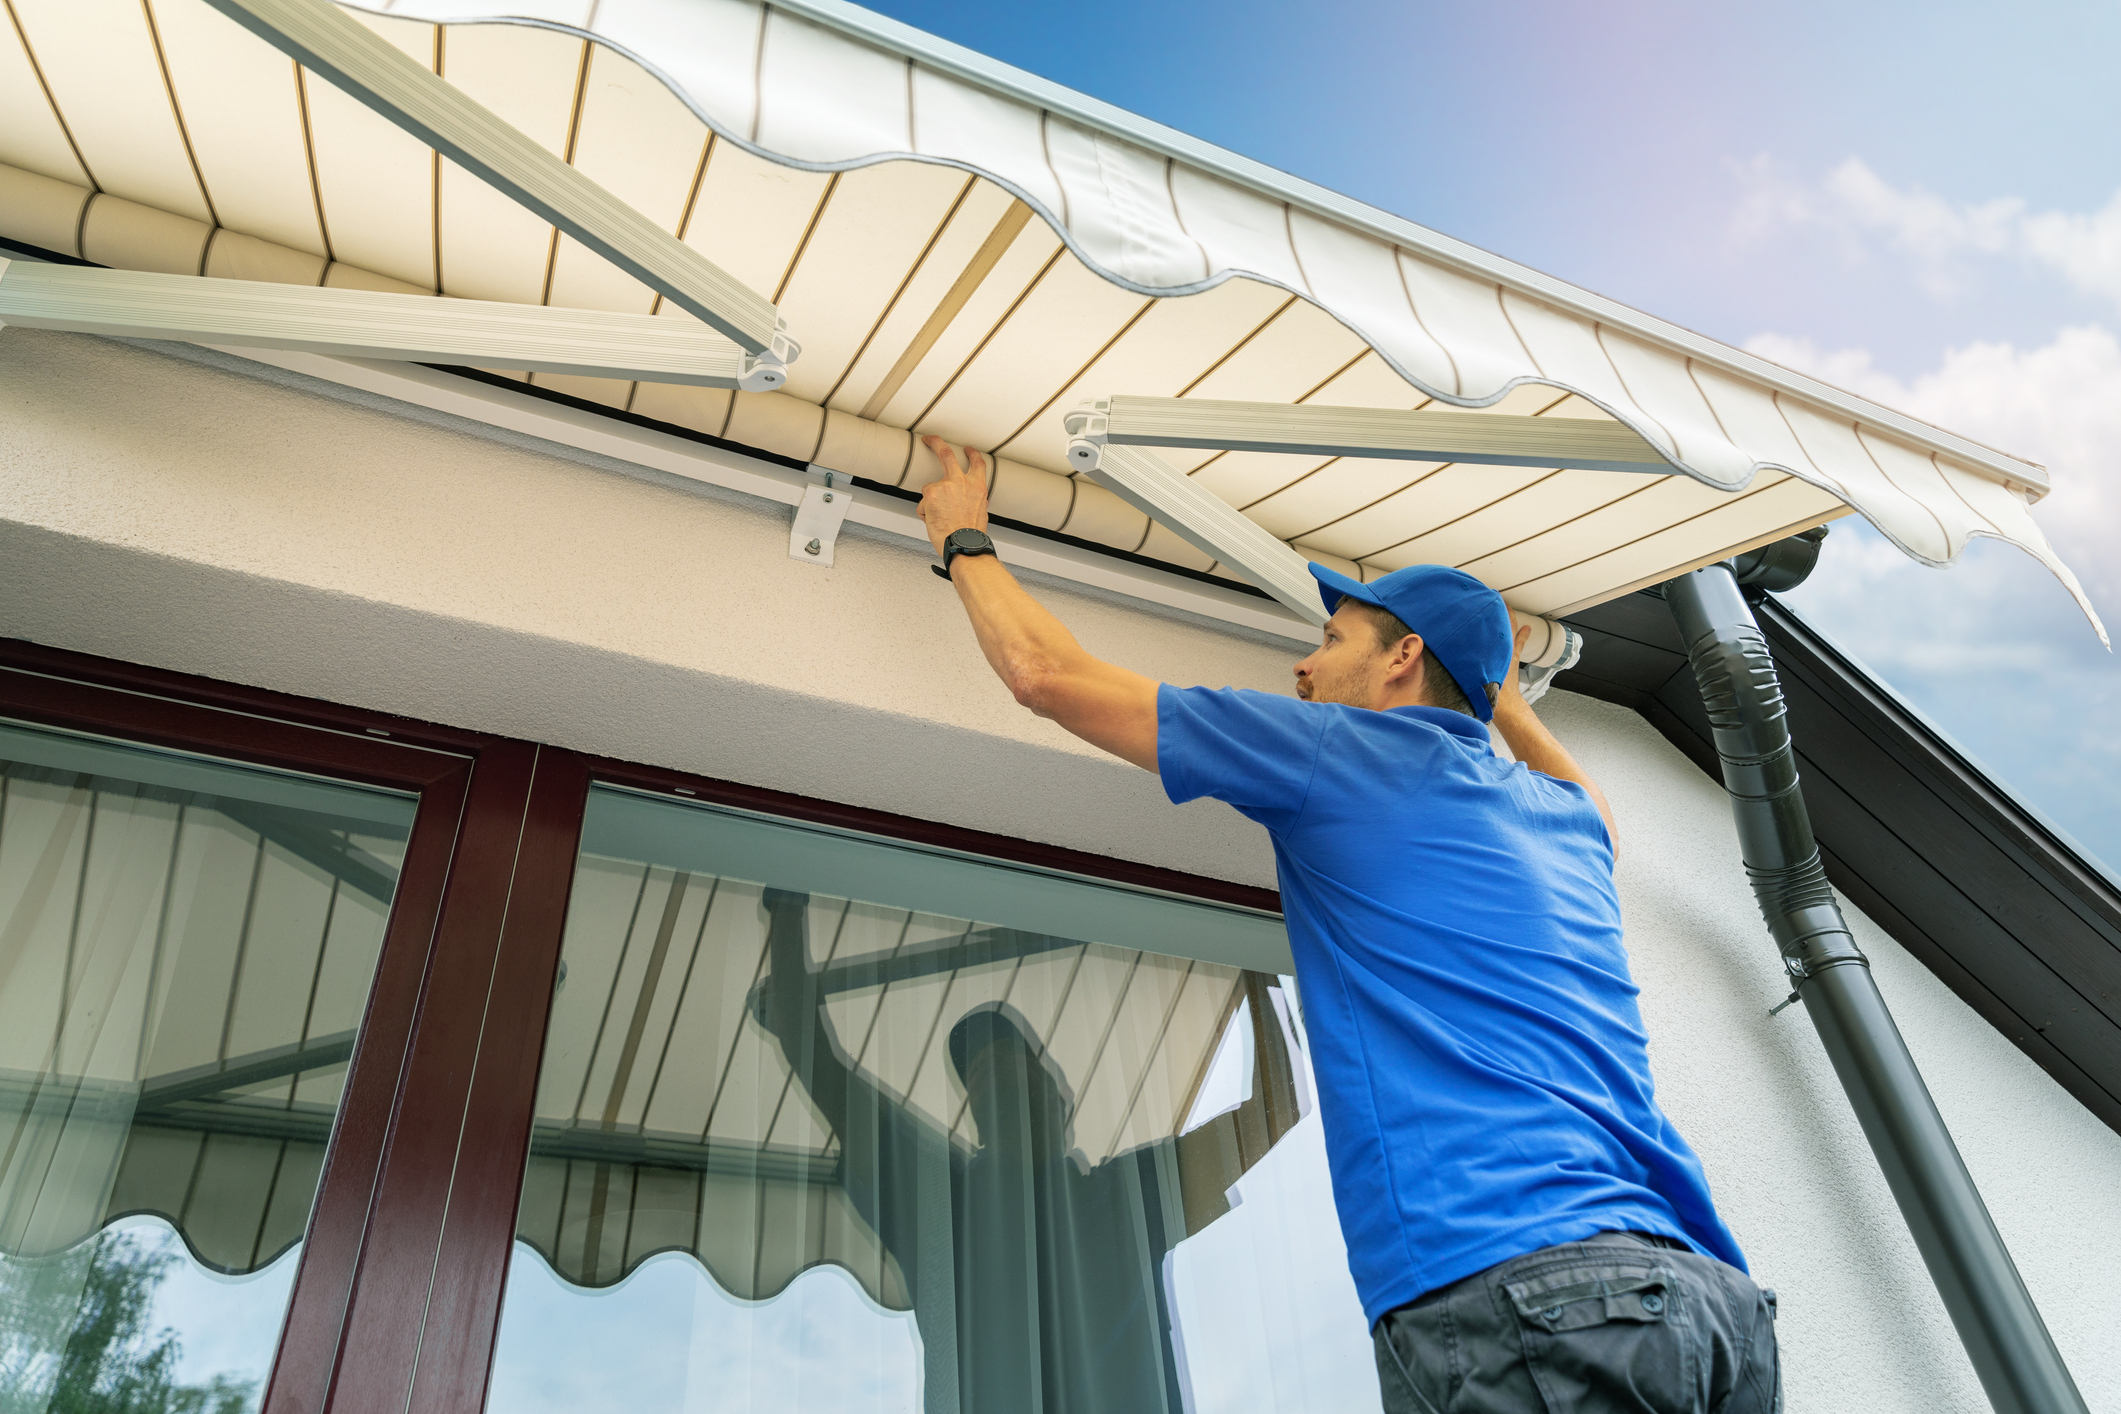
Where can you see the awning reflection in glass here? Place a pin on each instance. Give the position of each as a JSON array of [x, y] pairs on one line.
[[816, 1098], [186, 947]]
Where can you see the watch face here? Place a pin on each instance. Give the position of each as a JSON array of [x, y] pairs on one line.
[[967, 540]]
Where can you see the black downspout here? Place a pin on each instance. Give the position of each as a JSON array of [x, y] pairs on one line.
[[2011, 1350]]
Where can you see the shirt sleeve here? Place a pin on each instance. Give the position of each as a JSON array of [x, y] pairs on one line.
[[1254, 750]]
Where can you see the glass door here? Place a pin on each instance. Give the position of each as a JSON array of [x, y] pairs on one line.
[[352, 1064], [187, 947], [831, 1122]]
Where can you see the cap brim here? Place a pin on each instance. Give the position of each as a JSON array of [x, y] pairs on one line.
[[1333, 586]]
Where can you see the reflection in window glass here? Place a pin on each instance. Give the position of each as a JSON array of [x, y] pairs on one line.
[[185, 953], [799, 1146]]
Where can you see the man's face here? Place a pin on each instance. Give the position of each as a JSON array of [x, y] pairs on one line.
[[1349, 666]]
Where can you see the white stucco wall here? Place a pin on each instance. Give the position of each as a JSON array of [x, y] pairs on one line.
[[170, 513], [1861, 1325]]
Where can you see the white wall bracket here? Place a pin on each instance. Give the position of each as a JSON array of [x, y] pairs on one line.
[[369, 324], [819, 514], [1482, 439], [322, 37]]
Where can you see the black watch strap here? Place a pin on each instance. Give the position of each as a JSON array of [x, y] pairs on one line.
[[962, 542]]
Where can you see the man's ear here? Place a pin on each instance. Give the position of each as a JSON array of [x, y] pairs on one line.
[[1407, 657]]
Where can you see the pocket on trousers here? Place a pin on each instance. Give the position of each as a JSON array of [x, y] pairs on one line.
[[1601, 1335]]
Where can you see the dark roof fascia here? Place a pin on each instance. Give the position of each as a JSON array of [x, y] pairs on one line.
[[1973, 883]]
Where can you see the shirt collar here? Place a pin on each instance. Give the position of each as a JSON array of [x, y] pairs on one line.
[[1457, 723]]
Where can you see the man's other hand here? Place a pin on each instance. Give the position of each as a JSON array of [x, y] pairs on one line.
[[1511, 696], [956, 500]]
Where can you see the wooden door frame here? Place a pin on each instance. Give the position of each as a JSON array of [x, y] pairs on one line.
[[378, 1201]]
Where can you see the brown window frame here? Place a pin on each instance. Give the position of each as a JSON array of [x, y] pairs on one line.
[[397, 1298], [379, 1185]]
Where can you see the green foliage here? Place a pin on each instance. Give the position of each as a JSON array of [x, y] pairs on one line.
[[75, 1336]]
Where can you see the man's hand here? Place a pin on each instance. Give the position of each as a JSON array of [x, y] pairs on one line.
[[1029, 650], [1535, 746], [957, 500], [1512, 693]]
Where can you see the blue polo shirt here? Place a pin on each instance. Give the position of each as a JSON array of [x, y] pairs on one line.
[[1482, 1069]]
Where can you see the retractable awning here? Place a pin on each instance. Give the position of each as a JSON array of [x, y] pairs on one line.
[[962, 249]]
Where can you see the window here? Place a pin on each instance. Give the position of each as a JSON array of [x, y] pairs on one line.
[[186, 949], [826, 1121], [348, 1063]]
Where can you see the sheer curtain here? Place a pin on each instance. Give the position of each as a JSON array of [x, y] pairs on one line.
[[185, 952]]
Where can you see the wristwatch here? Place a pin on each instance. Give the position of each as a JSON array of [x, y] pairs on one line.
[[962, 542]]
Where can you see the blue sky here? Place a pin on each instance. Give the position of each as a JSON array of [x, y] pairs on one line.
[[1921, 204]]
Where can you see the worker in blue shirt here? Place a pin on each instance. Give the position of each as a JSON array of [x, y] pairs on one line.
[[1526, 1229]]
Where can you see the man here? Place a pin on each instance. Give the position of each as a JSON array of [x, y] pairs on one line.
[[1526, 1229]]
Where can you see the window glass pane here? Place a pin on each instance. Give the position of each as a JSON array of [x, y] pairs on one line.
[[186, 947], [827, 1122]]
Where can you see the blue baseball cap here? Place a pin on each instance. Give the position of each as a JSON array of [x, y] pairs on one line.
[[1463, 624]]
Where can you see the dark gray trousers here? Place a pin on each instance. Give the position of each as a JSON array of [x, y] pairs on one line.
[[1620, 1321]]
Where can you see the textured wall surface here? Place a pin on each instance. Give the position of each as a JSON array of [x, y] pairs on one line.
[[1862, 1327], [169, 513]]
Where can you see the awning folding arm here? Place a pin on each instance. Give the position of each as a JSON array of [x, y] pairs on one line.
[[1488, 440], [367, 324], [1121, 462], [1209, 524], [323, 38]]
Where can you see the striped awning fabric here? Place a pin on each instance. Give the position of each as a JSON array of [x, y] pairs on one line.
[[965, 250]]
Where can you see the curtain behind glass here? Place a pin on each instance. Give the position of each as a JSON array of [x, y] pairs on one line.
[[185, 953], [978, 1125]]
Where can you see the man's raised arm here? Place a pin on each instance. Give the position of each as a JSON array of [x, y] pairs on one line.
[[1531, 743], [1029, 649]]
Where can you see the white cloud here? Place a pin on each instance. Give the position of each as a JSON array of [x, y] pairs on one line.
[[1993, 649], [2059, 405], [1936, 237], [2087, 249]]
